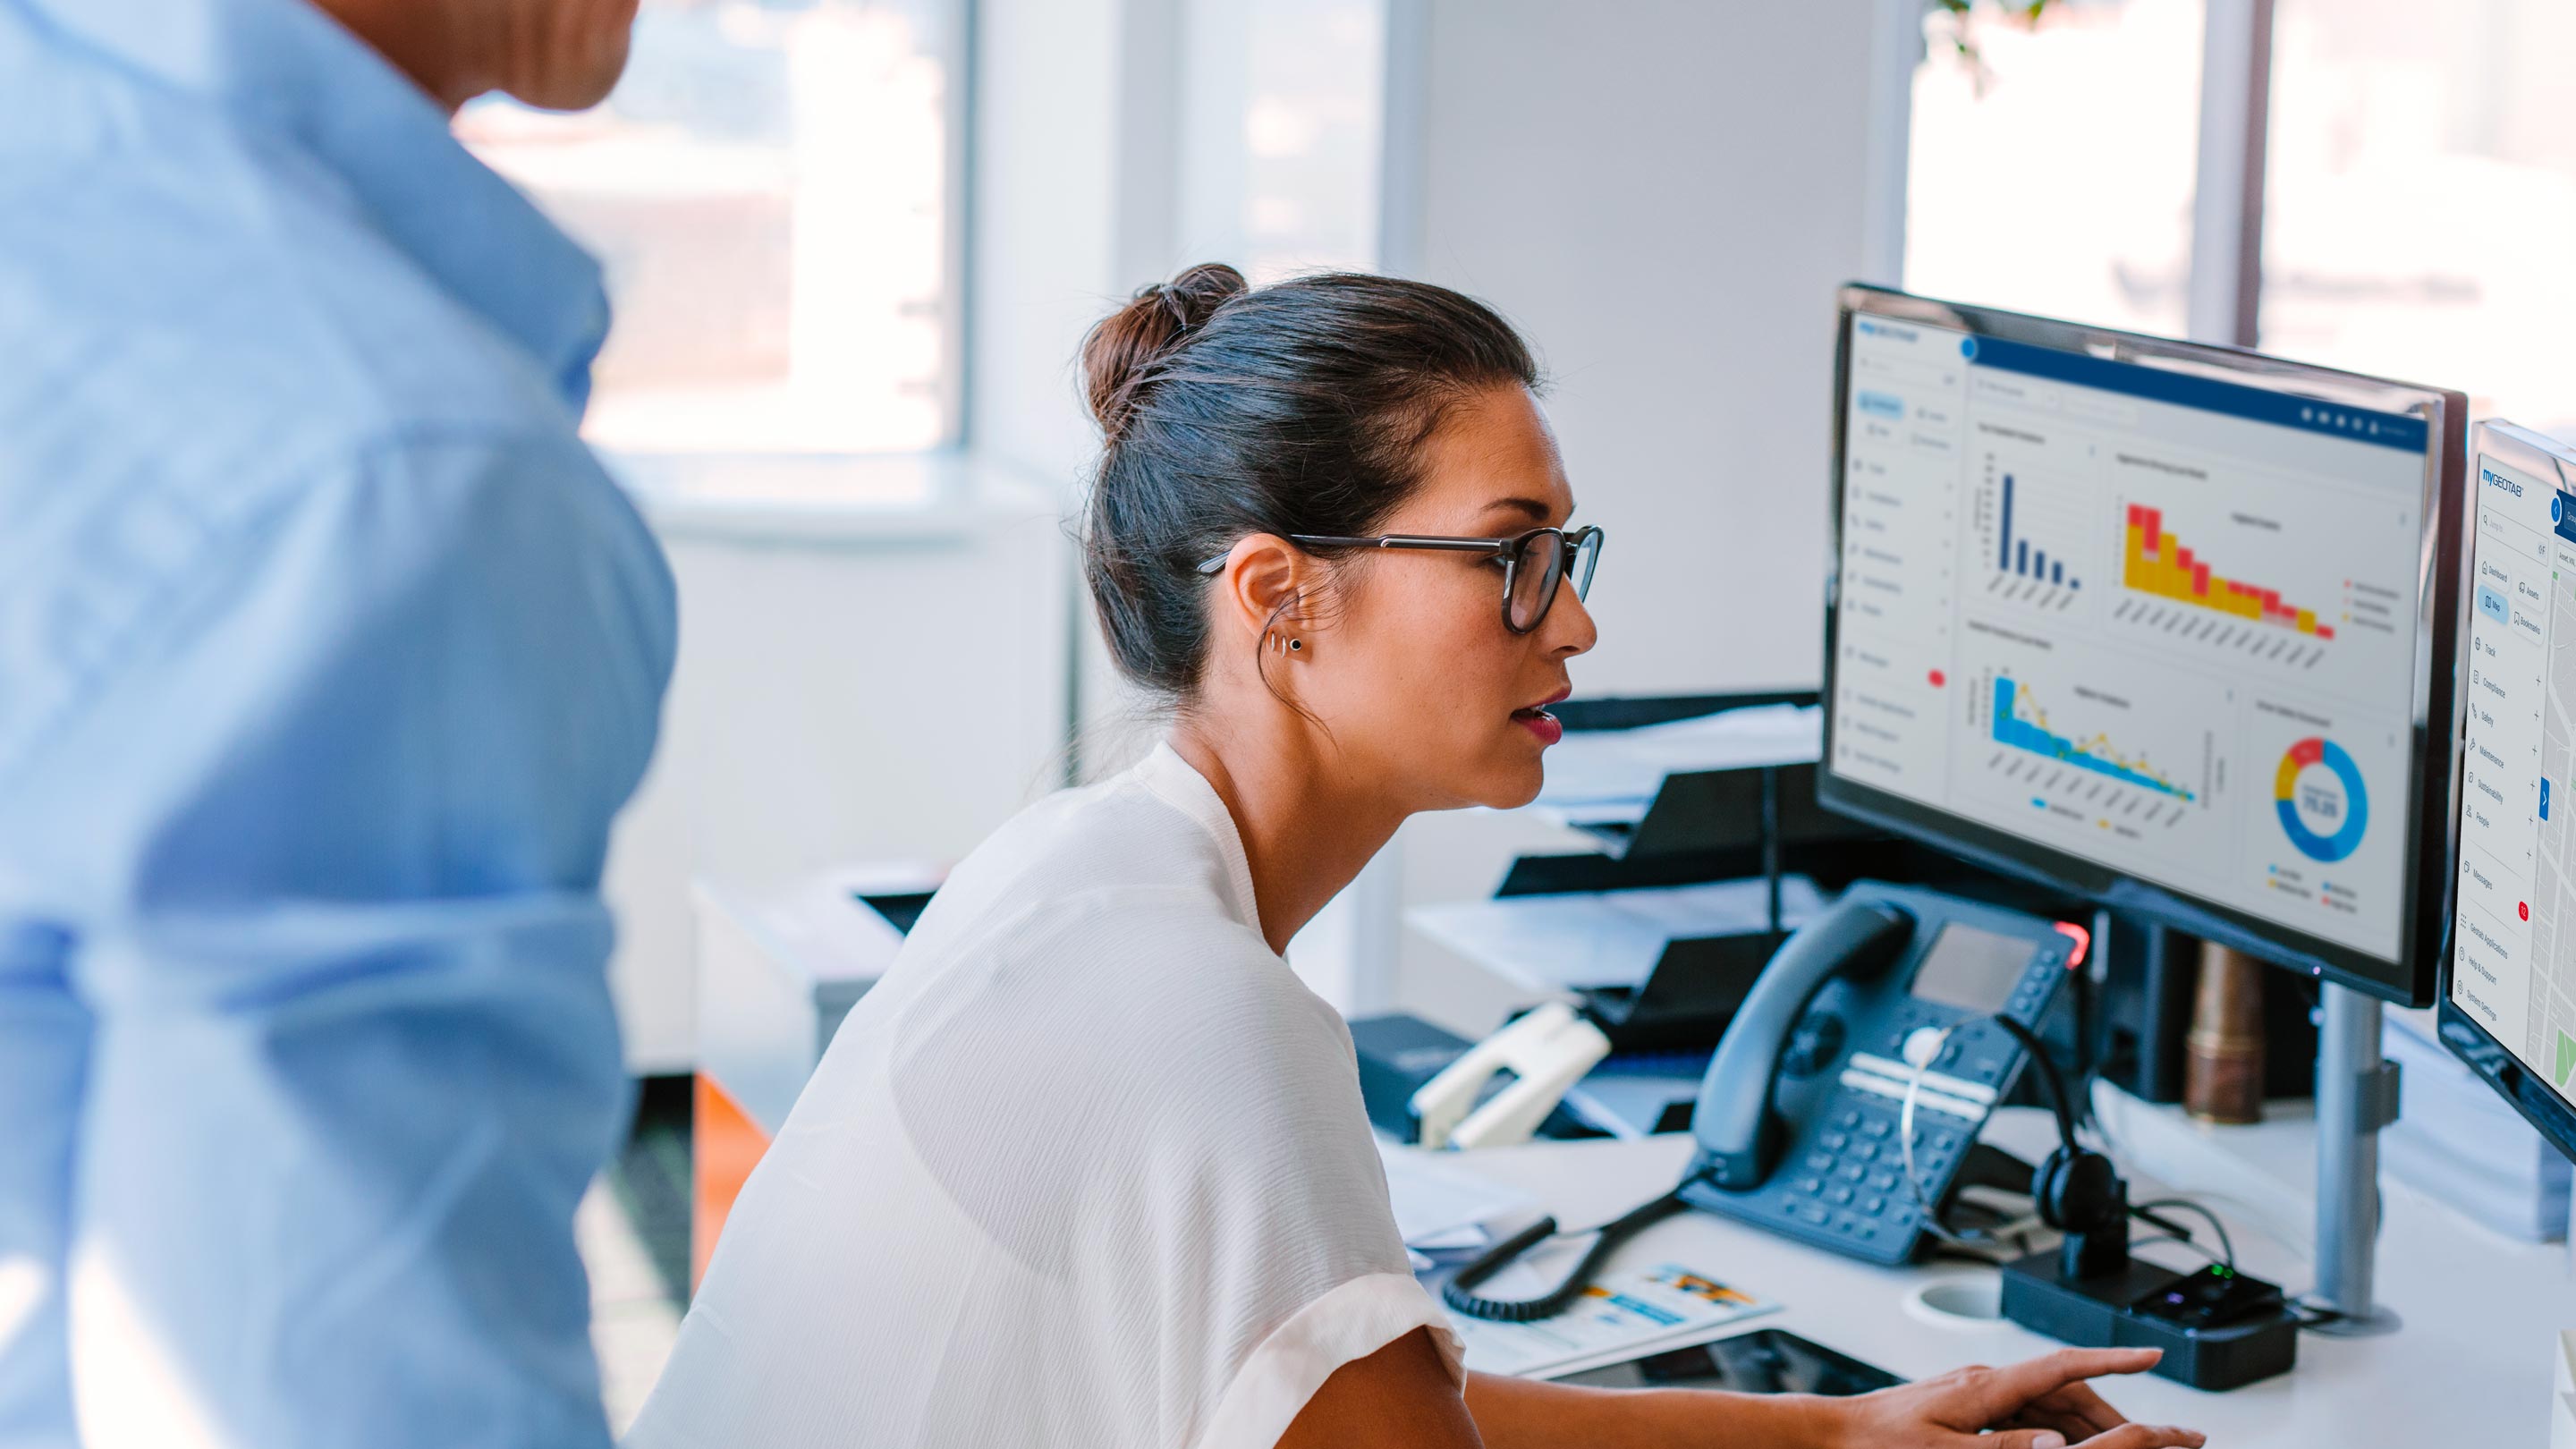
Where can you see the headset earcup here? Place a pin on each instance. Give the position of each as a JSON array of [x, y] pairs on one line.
[[2045, 1186], [2077, 1191]]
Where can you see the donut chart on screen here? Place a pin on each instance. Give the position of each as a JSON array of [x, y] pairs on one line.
[[2318, 750]]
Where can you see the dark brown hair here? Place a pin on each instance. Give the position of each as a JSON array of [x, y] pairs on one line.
[[1300, 407]]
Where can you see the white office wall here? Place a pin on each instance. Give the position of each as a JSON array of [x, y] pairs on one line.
[[1664, 194], [838, 697]]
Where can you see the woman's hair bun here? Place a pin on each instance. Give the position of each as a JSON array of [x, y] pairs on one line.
[[1119, 356]]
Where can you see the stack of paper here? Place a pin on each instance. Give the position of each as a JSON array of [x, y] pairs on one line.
[[1625, 1314], [1576, 939], [1448, 1214], [1610, 776], [1443, 1210]]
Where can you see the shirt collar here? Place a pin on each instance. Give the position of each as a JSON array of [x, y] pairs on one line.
[[284, 67], [1178, 783]]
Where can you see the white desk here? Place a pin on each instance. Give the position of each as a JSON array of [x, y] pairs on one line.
[[2470, 1367]]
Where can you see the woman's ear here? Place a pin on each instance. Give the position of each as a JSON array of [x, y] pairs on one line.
[[1269, 585]]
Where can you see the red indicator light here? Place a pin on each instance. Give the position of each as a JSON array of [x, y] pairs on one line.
[[2082, 938]]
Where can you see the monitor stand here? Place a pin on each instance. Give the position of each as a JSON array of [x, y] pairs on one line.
[[2356, 1096]]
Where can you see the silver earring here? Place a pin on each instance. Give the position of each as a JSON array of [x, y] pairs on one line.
[[1296, 644]]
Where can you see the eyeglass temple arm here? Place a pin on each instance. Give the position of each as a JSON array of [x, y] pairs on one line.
[[1391, 540], [1406, 540]]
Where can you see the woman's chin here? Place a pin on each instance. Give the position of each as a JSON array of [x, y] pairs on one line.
[[1514, 786]]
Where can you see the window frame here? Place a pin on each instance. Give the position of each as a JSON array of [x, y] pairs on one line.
[[772, 492], [2225, 286]]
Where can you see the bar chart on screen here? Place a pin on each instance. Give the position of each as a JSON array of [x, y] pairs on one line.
[[2234, 579], [2032, 537], [2134, 761]]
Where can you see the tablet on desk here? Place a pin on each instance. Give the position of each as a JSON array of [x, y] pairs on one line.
[[1765, 1361]]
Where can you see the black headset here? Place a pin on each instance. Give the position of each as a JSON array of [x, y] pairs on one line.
[[2076, 1190]]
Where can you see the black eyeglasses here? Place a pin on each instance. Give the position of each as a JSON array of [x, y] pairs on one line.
[[1534, 563]]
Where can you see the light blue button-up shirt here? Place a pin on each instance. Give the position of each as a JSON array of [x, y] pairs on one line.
[[327, 653]]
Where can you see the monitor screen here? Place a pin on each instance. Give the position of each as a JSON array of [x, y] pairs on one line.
[[2513, 963], [2152, 625]]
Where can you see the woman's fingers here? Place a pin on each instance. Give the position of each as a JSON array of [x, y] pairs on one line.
[[2042, 1416], [2006, 1389], [2127, 1436], [2079, 1405], [2021, 1439], [2144, 1436]]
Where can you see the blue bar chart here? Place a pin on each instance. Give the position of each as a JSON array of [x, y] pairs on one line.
[[2021, 724], [2014, 554]]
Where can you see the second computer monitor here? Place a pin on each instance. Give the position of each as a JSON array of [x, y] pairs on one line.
[[2168, 626]]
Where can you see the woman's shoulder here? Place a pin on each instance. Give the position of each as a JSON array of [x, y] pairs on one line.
[[1155, 975], [1115, 856]]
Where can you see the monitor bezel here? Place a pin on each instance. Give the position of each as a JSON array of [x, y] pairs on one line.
[[2432, 792], [2462, 1034]]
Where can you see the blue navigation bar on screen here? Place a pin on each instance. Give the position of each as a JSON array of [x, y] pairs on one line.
[[2359, 425]]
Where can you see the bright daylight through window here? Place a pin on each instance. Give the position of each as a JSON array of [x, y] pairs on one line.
[[770, 189], [2051, 164], [2422, 197]]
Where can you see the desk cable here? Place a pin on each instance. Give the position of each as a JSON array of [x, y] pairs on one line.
[[1458, 1294], [2008, 1234], [1979, 1242]]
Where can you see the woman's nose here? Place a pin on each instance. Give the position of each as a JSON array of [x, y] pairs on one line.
[[1570, 629]]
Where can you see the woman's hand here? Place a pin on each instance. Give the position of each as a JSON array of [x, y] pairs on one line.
[[2040, 1403]]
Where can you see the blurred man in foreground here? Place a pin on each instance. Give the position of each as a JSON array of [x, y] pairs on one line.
[[327, 654]]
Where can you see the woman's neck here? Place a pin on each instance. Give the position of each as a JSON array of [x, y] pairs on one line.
[[1307, 827]]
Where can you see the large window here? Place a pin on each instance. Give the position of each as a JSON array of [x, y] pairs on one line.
[[2382, 185], [772, 189], [2051, 165], [2420, 217], [1281, 132]]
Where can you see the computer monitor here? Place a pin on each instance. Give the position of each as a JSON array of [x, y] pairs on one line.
[[2164, 625], [2509, 985]]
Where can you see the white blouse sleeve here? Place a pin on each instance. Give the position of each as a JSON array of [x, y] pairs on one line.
[[1200, 1174]]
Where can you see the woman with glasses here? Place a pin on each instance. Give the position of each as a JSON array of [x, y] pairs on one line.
[[1089, 1165]]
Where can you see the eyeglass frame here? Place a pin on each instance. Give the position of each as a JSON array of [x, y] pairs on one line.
[[1508, 550]]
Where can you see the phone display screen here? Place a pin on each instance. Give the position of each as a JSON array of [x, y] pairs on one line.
[[1970, 969]]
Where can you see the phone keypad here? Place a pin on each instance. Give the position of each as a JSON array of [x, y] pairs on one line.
[[1843, 1181]]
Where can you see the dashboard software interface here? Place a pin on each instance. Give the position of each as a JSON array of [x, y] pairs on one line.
[[2513, 966], [2162, 622]]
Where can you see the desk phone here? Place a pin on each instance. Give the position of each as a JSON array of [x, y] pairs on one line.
[[1798, 1118]]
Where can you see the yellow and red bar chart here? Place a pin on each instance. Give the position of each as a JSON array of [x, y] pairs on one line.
[[2158, 564]]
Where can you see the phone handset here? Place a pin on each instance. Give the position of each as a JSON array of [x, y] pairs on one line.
[[1739, 1133]]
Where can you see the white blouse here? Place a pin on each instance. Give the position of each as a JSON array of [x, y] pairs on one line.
[[1088, 1167]]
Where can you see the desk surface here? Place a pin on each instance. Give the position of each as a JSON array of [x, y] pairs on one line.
[[2470, 1366]]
